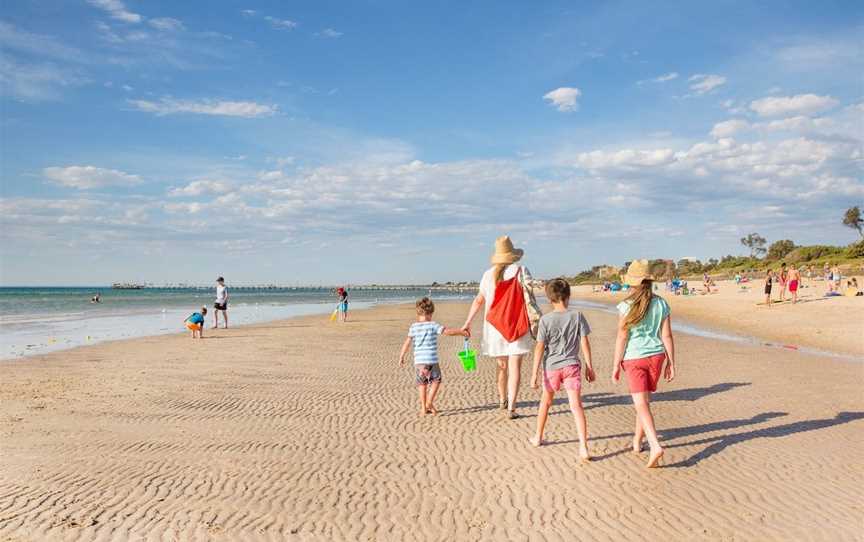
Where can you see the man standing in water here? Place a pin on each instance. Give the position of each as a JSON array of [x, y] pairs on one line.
[[221, 304]]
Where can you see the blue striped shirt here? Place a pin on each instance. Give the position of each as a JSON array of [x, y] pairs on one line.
[[425, 338]]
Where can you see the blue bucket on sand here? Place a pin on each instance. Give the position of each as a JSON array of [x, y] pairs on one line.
[[468, 358]]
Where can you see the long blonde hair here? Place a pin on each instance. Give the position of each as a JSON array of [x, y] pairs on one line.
[[639, 300], [498, 273]]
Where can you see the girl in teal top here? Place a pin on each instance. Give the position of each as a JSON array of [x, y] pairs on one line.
[[643, 344]]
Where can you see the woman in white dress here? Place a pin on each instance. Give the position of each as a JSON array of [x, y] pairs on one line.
[[508, 355]]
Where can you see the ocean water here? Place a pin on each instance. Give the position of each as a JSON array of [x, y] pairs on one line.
[[39, 320]]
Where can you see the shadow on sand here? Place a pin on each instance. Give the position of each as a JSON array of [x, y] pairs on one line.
[[595, 400], [719, 443]]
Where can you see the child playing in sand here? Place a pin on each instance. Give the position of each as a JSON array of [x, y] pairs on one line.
[[644, 342], [195, 323], [424, 335], [561, 335]]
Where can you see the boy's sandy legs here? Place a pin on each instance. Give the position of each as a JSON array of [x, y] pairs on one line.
[[542, 415], [575, 398], [643, 412], [575, 401], [421, 389], [430, 400]]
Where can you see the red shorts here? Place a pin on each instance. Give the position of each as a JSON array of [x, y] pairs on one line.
[[570, 376], [793, 285], [644, 373]]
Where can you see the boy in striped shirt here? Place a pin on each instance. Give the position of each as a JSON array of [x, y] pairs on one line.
[[424, 335]]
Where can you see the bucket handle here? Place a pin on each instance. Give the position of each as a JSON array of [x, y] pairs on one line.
[[465, 345]]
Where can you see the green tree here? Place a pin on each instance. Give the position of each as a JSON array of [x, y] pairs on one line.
[[779, 249], [754, 242], [853, 219]]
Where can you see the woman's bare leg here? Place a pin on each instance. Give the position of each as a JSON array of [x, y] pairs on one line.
[[502, 379], [514, 369]]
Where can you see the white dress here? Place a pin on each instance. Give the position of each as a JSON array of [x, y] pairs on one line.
[[494, 345]]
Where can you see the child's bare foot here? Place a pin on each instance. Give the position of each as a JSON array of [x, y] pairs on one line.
[[423, 411], [637, 446], [432, 410], [584, 456], [536, 442], [654, 458]]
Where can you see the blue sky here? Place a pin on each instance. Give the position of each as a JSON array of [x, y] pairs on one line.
[[372, 141]]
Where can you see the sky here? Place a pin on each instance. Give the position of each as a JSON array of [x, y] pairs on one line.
[[322, 142]]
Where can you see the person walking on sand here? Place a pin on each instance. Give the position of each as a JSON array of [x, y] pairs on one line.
[[423, 334], [643, 343], [508, 354], [221, 304], [782, 281], [562, 334], [794, 282], [343, 304]]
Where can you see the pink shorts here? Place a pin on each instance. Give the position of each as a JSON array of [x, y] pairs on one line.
[[793, 285], [644, 373], [571, 376]]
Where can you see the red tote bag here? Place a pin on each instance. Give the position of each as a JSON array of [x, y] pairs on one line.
[[507, 313]]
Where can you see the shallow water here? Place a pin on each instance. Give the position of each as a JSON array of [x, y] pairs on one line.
[[40, 320]]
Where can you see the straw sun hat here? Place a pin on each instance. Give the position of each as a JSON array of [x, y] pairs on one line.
[[638, 271], [504, 251]]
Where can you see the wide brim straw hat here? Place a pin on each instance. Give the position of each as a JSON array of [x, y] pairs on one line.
[[505, 253], [638, 271]]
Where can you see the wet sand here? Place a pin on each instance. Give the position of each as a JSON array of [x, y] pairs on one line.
[[307, 430]]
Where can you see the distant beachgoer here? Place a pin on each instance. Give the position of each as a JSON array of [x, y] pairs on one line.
[[508, 354], [424, 336], [561, 335], [769, 280], [826, 275], [794, 280], [97, 298], [643, 343], [343, 304], [195, 323], [782, 280], [809, 276], [852, 289], [836, 277], [221, 304]]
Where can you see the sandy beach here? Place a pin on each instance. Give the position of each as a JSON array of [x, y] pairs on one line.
[[833, 324], [307, 430]]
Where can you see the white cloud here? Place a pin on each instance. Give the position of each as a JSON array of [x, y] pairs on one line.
[[801, 104], [201, 187], [84, 177], [565, 99], [665, 77], [117, 10], [729, 128], [36, 82], [166, 24], [330, 33], [12, 38], [248, 12], [170, 106], [624, 159], [282, 24], [704, 83]]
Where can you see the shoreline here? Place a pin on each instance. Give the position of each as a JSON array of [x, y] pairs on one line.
[[301, 429]]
